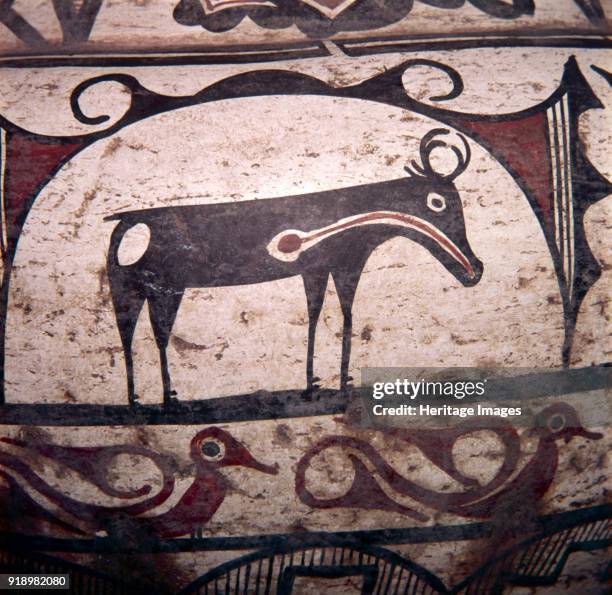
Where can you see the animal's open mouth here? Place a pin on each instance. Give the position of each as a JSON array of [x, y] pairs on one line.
[[290, 243]]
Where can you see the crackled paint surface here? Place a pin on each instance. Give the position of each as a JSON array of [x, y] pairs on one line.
[[251, 455]]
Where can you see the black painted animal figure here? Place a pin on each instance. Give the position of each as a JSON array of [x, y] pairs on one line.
[[313, 235]]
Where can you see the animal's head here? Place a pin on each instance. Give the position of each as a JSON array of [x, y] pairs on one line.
[[561, 421], [216, 447], [438, 210]]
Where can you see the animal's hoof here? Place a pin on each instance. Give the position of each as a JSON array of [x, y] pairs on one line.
[[309, 392], [346, 389], [172, 403]]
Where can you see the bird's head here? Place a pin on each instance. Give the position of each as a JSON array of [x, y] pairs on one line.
[[218, 448], [561, 421]]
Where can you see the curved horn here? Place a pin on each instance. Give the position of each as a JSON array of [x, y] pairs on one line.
[[462, 160], [428, 145]]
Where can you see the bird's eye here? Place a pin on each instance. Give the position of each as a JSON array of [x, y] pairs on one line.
[[213, 450], [436, 202], [556, 422]]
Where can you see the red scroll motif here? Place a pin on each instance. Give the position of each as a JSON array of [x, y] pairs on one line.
[[533, 480], [211, 449]]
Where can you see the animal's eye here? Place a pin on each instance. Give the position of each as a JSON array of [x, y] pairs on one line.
[[436, 202], [556, 422], [213, 450]]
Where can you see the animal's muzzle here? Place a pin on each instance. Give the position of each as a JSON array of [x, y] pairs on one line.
[[473, 273]]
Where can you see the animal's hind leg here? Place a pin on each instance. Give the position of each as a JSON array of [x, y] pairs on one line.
[[346, 285], [127, 302], [163, 306], [314, 286]]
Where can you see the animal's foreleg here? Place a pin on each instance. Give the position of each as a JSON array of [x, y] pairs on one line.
[[346, 285], [347, 331], [314, 286]]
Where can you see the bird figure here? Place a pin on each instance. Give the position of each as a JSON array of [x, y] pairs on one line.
[[211, 449], [559, 421]]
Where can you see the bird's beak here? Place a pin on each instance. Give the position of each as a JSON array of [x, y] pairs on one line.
[[243, 458], [269, 469], [580, 431], [588, 435]]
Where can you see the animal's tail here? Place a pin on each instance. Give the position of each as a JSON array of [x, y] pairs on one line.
[[115, 240], [118, 216]]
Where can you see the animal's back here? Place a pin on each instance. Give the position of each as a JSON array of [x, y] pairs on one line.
[[227, 243]]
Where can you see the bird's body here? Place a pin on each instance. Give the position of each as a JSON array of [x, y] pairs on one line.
[[211, 449], [194, 509], [477, 501]]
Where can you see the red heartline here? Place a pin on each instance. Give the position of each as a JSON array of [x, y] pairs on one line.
[[414, 221]]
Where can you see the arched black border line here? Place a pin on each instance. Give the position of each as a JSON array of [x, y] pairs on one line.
[[71, 139], [282, 548], [385, 88], [14, 233], [145, 103], [279, 82], [432, 580]]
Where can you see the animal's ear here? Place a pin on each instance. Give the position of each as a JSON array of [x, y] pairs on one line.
[[414, 170]]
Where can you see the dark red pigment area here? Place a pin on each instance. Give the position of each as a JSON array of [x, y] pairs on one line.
[[30, 163], [521, 144], [289, 243]]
